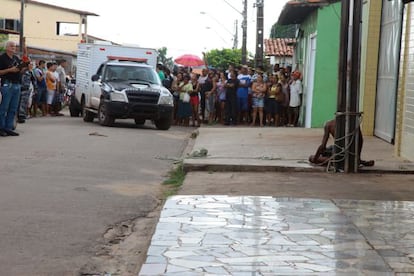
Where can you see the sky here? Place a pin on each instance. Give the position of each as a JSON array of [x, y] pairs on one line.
[[183, 26]]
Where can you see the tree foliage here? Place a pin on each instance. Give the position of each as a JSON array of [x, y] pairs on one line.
[[3, 39], [162, 58], [220, 59], [283, 31]]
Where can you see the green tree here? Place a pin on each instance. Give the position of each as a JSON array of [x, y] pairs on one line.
[[283, 31], [220, 59], [3, 39], [162, 57]]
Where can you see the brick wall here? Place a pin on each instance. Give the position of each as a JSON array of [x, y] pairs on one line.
[[404, 145]]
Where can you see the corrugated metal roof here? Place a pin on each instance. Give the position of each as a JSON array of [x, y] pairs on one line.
[[296, 11], [280, 47]]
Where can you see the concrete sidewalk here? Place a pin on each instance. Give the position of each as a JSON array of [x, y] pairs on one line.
[[278, 149], [300, 223]]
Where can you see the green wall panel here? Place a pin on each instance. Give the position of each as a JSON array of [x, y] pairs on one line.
[[326, 64]]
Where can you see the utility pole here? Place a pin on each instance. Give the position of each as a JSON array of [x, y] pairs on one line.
[[244, 27], [236, 35], [347, 130], [21, 29], [259, 33]]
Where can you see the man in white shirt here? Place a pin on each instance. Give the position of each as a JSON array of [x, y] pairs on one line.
[[295, 99], [60, 75]]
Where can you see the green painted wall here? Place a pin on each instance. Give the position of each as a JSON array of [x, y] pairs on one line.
[[325, 24], [326, 65]]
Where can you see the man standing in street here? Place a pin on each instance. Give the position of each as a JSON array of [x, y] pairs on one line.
[[202, 90], [295, 99], [40, 75], [26, 90], [243, 94], [61, 78], [231, 86], [10, 89]]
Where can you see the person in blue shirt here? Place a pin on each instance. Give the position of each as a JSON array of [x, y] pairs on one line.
[[243, 93]]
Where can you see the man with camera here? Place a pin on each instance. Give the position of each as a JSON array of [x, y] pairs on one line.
[[10, 68]]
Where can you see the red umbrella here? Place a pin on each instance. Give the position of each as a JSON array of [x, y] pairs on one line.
[[189, 60]]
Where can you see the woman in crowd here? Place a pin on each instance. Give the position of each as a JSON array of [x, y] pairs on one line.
[[211, 83], [175, 87], [195, 101], [221, 97], [285, 104], [184, 106], [259, 89], [274, 101]]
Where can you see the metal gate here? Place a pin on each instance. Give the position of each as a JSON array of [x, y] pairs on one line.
[[389, 58]]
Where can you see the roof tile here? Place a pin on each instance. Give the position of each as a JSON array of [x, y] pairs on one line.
[[280, 47]]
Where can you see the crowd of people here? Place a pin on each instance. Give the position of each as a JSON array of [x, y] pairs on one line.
[[28, 90], [236, 96], [242, 95]]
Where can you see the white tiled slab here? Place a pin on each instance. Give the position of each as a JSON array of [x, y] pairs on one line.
[[252, 235]]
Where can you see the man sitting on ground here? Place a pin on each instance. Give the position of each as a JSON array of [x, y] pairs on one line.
[[324, 154]]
